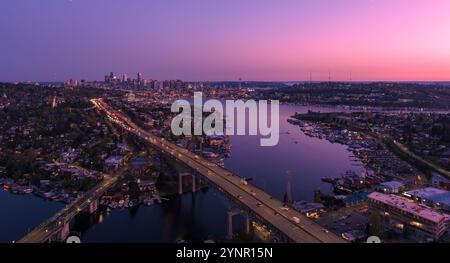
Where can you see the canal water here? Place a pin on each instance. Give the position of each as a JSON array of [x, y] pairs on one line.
[[199, 216], [21, 213]]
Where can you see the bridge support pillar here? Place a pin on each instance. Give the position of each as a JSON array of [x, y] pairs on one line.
[[64, 233], [61, 234], [93, 206], [247, 225], [233, 213], [193, 183], [180, 182]]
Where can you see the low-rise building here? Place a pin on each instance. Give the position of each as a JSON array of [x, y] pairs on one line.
[[355, 199], [391, 187], [406, 215], [147, 185], [431, 196], [69, 156], [311, 210], [114, 162], [439, 181]]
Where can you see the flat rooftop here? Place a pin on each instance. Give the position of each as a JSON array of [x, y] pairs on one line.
[[433, 194], [410, 207]]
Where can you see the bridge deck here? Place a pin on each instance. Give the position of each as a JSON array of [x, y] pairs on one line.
[[49, 227], [258, 201]]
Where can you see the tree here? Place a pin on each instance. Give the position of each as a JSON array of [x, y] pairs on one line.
[[317, 196], [134, 190], [87, 184], [285, 199], [374, 227]]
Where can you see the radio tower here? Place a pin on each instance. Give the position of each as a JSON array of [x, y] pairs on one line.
[[288, 187]]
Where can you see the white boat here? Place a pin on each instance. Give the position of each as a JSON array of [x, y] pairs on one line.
[[28, 190]]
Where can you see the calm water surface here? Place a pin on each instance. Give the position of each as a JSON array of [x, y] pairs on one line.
[[21, 213]]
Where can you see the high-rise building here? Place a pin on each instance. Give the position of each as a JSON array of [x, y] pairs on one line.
[[139, 76], [124, 78], [110, 78], [72, 82]]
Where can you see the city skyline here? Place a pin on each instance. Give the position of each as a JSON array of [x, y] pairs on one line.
[[204, 41]]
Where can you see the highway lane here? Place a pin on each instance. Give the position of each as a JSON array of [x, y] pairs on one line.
[[258, 201]]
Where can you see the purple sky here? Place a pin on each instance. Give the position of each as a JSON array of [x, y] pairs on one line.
[[52, 40]]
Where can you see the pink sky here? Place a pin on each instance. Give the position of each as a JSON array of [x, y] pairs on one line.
[[226, 40]]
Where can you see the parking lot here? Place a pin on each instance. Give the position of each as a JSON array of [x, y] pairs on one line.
[[345, 219]]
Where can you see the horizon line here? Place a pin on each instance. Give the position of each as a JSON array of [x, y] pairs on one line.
[[262, 81]]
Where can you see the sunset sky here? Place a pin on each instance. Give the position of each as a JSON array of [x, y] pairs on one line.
[[390, 40]]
